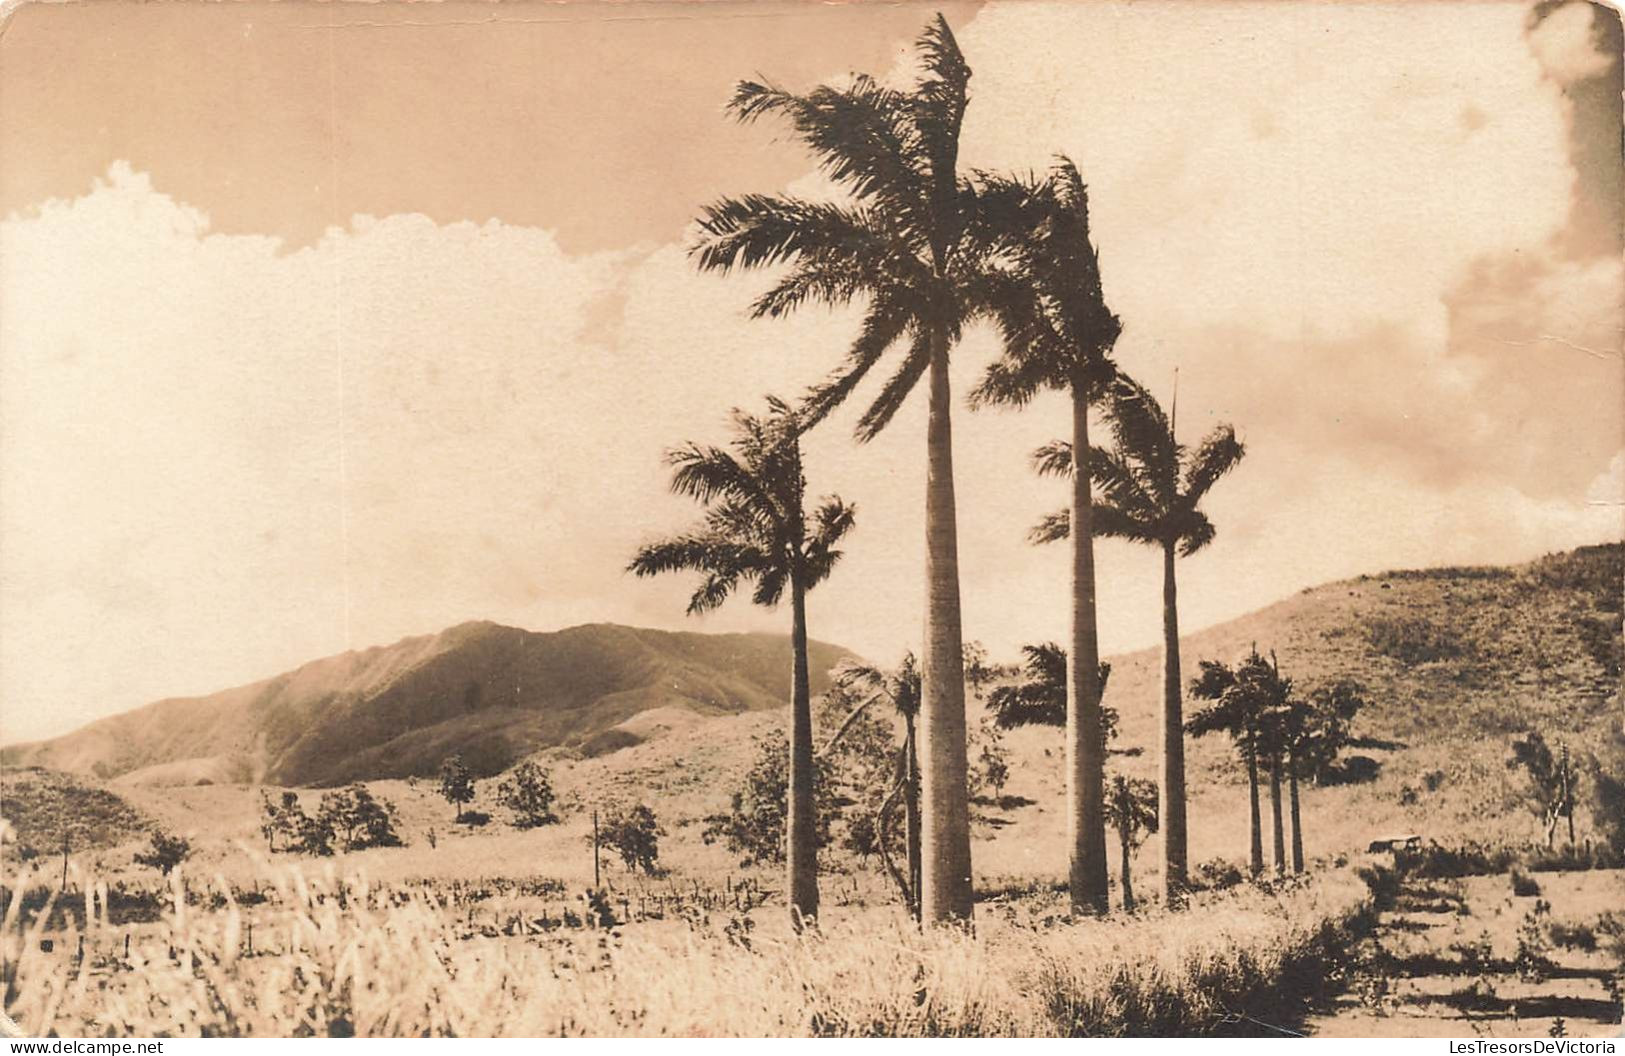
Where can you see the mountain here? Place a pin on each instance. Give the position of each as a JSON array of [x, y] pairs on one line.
[[492, 693]]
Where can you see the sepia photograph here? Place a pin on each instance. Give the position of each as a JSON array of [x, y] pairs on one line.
[[793, 519]]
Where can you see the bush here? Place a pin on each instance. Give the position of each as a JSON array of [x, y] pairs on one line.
[[528, 793], [1411, 640], [754, 826], [284, 820], [1524, 885], [165, 852]]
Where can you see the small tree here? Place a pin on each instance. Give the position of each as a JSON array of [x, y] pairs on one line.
[[754, 826], [528, 793], [990, 763], [356, 819], [635, 836], [456, 784], [1552, 780], [165, 852], [1131, 807], [284, 821]]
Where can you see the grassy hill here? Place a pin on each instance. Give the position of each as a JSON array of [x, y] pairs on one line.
[[492, 693], [42, 806]]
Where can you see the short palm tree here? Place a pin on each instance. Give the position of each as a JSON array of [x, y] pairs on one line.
[[1131, 808], [899, 687], [1039, 696], [755, 529], [1152, 487], [1058, 337], [909, 241]]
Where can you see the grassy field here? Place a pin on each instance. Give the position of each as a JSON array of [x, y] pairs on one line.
[[330, 954]]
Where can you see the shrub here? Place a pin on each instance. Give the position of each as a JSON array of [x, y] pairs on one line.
[[284, 820], [754, 826], [528, 793], [1411, 640], [164, 853], [1524, 885]]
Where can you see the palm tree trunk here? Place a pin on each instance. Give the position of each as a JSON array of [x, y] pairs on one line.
[[1175, 872], [1128, 880], [911, 805], [945, 880], [802, 837], [1297, 815], [1257, 832], [1085, 747], [1275, 814]]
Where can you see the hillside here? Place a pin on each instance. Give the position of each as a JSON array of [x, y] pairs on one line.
[[44, 807], [492, 693]]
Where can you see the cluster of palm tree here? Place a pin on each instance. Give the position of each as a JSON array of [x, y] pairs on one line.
[[927, 250], [1277, 730]]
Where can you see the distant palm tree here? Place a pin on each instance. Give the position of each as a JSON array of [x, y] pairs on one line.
[[1039, 697], [755, 529], [899, 687], [910, 242], [1131, 808], [1152, 487], [1059, 338], [1240, 699]]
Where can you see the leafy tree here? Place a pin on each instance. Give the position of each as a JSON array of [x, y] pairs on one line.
[[1131, 808], [756, 529], [754, 826], [528, 793], [634, 835], [1552, 780], [283, 820], [1328, 727], [912, 241], [164, 852], [356, 820], [990, 760], [1152, 488], [456, 784], [1058, 337]]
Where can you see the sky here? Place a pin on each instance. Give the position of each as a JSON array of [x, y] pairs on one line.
[[324, 325]]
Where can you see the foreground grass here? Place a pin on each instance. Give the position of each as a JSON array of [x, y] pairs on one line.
[[333, 956]]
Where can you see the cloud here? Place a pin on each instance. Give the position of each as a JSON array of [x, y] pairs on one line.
[[219, 458]]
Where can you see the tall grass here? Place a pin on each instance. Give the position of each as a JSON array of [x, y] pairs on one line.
[[332, 956]]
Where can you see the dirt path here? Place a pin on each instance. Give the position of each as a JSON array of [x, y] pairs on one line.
[[1465, 957]]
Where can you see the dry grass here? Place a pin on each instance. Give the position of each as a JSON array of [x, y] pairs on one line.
[[334, 955]]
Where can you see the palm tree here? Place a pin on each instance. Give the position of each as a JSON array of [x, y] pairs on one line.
[[755, 529], [1131, 808], [906, 243], [901, 688], [1152, 487], [1039, 697], [1059, 337], [1238, 708]]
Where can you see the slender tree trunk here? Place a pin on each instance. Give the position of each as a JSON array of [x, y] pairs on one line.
[[1175, 871], [1128, 879], [1276, 830], [911, 808], [1257, 833], [945, 881], [1085, 747], [802, 852], [1297, 815]]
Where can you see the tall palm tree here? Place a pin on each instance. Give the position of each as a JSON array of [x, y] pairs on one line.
[[1131, 808], [1059, 338], [756, 529], [899, 687], [905, 243], [1039, 696], [1152, 488]]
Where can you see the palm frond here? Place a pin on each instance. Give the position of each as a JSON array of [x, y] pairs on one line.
[[889, 318], [1053, 459], [1195, 533], [1217, 455], [1143, 434], [897, 390], [1051, 528]]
